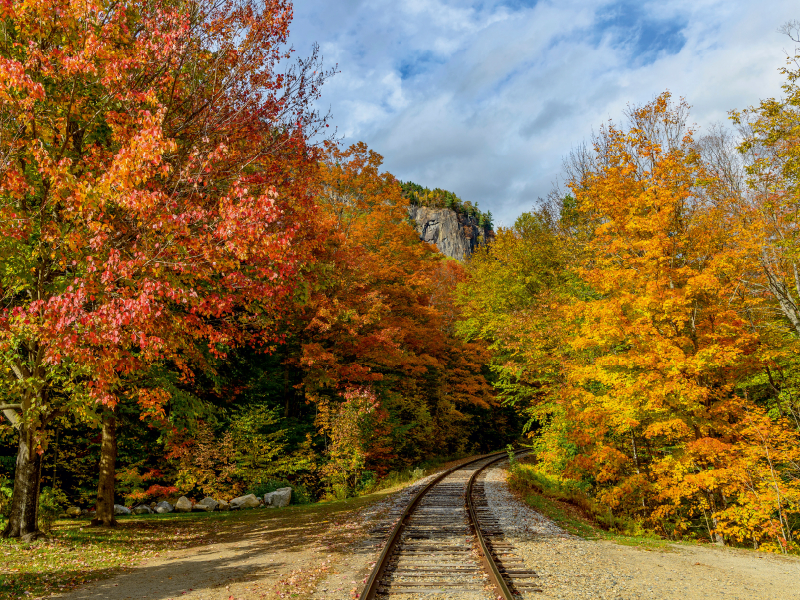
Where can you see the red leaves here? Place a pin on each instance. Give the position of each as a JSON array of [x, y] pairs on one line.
[[121, 260]]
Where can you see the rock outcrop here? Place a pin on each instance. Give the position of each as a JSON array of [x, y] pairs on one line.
[[456, 235]]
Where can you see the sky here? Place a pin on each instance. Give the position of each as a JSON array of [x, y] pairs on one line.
[[486, 98]]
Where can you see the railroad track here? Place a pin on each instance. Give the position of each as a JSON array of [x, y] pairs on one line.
[[447, 542]]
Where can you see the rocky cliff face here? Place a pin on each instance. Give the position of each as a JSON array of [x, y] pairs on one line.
[[455, 235]]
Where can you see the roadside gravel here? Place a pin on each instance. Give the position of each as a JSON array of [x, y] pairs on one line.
[[571, 568]]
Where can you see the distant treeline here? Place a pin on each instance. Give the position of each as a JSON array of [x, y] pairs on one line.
[[439, 198]]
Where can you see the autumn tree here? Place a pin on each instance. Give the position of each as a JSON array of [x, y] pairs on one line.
[[376, 314], [154, 175], [617, 320]]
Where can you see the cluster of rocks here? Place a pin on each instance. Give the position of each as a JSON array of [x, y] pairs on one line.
[[277, 499], [74, 511]]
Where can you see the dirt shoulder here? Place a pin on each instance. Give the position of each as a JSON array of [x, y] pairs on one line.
[[574, 568], [261, 553]]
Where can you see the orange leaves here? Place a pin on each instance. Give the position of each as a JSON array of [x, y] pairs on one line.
[[152, 402], [622, 320], [672, 430], [377, 311]]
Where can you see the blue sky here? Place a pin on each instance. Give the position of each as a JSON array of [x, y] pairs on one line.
[[485, 98]]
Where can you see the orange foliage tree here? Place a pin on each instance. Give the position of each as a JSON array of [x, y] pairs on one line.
[[376, 314], [620, 325]]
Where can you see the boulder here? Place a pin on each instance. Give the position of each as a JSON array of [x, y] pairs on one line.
[[223, 505], [121, 510], [279, 498], [164, 507], [183, 505], [209, 501], [248, 501], [142, 509], [73, 511], [202, 507]]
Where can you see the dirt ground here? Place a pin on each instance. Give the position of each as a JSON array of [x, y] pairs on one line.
[[274, 554], [319, 552]]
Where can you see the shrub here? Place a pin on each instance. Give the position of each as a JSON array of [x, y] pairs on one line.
[[526, 478], [50, 506], [6, 491]]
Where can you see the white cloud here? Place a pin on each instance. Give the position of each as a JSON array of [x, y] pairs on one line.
[[485, 99]]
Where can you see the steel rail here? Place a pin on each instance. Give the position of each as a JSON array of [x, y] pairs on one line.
[[371, 588], [486, 555]]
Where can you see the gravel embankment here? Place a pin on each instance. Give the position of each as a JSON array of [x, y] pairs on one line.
[[570, 567], [347, 578]]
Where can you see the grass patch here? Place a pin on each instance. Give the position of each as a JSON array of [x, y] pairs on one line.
[[77, 554], [573, 520]]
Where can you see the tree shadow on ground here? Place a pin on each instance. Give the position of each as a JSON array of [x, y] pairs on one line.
[[213, 550]]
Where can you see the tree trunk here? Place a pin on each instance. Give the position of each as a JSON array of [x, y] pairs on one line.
[[105, 485], [23, 521], [718, 539]]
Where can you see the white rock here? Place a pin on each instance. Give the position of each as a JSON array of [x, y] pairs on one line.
[[164, 507], [248, 501], [142, 509], [121, 510], [208, 501], [279, 498], [183, 505]]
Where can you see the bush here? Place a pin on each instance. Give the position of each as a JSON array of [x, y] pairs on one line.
[[367, 483], [6, 491], [50, 506]]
